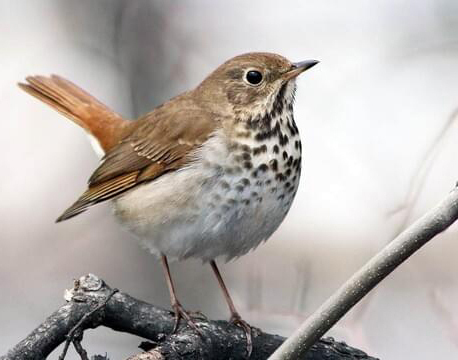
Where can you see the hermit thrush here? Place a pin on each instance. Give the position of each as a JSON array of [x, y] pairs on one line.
[[209, 174]]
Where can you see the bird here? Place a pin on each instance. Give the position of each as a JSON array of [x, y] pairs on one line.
[[209, 174]]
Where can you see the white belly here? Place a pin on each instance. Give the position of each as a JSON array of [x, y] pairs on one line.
[[207, 211]]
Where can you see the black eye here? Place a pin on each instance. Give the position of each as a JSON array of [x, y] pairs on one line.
[[253, 77]]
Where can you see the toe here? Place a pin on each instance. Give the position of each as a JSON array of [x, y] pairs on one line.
[[181, 313], [238, 321]]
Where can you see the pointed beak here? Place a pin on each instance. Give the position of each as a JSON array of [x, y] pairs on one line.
[[298, 68]]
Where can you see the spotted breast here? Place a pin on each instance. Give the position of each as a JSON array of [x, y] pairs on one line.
[[231, 198]]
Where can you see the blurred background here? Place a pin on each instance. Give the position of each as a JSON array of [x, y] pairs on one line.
[[377, 117]]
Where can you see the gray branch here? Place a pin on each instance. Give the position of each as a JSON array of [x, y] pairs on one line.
[[121, 312], [380, 266]]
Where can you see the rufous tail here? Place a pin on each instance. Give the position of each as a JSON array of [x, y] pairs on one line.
[[70, 100]]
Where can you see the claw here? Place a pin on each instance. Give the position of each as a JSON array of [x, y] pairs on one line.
[[181, 313], [238, 321]]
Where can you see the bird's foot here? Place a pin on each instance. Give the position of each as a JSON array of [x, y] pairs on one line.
[[237, 320], [181, 313]]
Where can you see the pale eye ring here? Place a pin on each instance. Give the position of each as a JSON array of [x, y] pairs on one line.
[[253, 77]]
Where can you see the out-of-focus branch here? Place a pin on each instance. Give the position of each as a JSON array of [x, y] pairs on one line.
[[381, 265], [418, 180], [91, 303]]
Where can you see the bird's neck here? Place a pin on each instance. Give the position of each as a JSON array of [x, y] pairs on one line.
[[276, 120]]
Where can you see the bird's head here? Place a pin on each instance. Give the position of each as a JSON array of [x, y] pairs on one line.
[[252, 83]]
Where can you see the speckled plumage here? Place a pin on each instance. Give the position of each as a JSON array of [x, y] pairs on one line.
[[230, 198]]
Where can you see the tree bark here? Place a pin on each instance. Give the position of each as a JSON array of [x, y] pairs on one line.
[[92, 303]]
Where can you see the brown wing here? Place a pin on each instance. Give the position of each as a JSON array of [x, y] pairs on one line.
[[161, 142]]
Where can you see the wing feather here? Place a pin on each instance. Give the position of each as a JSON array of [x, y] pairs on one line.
[[99, 193], [161, 142]]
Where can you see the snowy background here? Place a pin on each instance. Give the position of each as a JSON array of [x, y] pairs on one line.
[[369, 114]]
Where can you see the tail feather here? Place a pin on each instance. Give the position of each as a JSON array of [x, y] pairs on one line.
[[73, 102], [106, 126]]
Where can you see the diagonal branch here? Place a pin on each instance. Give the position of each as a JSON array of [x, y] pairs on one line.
[[89, 306], [380, 266]]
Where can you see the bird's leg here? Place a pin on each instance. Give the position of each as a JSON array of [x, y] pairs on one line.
[[235, 316], [179, 311]]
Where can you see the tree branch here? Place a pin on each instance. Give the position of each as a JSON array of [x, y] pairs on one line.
[[92, 303], [380, 266]]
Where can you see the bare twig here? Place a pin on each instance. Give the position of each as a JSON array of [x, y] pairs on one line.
[[381, 265], [75, 335], [100, 357], [122, 312], [418, 180], [77, 338]]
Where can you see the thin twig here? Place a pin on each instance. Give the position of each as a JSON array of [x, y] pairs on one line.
[[381, 265], [77, 344], [71, 334], [418, 180]]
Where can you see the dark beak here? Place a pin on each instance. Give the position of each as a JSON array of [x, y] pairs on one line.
[[304, 65], [299, 68]]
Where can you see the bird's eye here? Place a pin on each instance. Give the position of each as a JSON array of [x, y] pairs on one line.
[[253, 77]]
